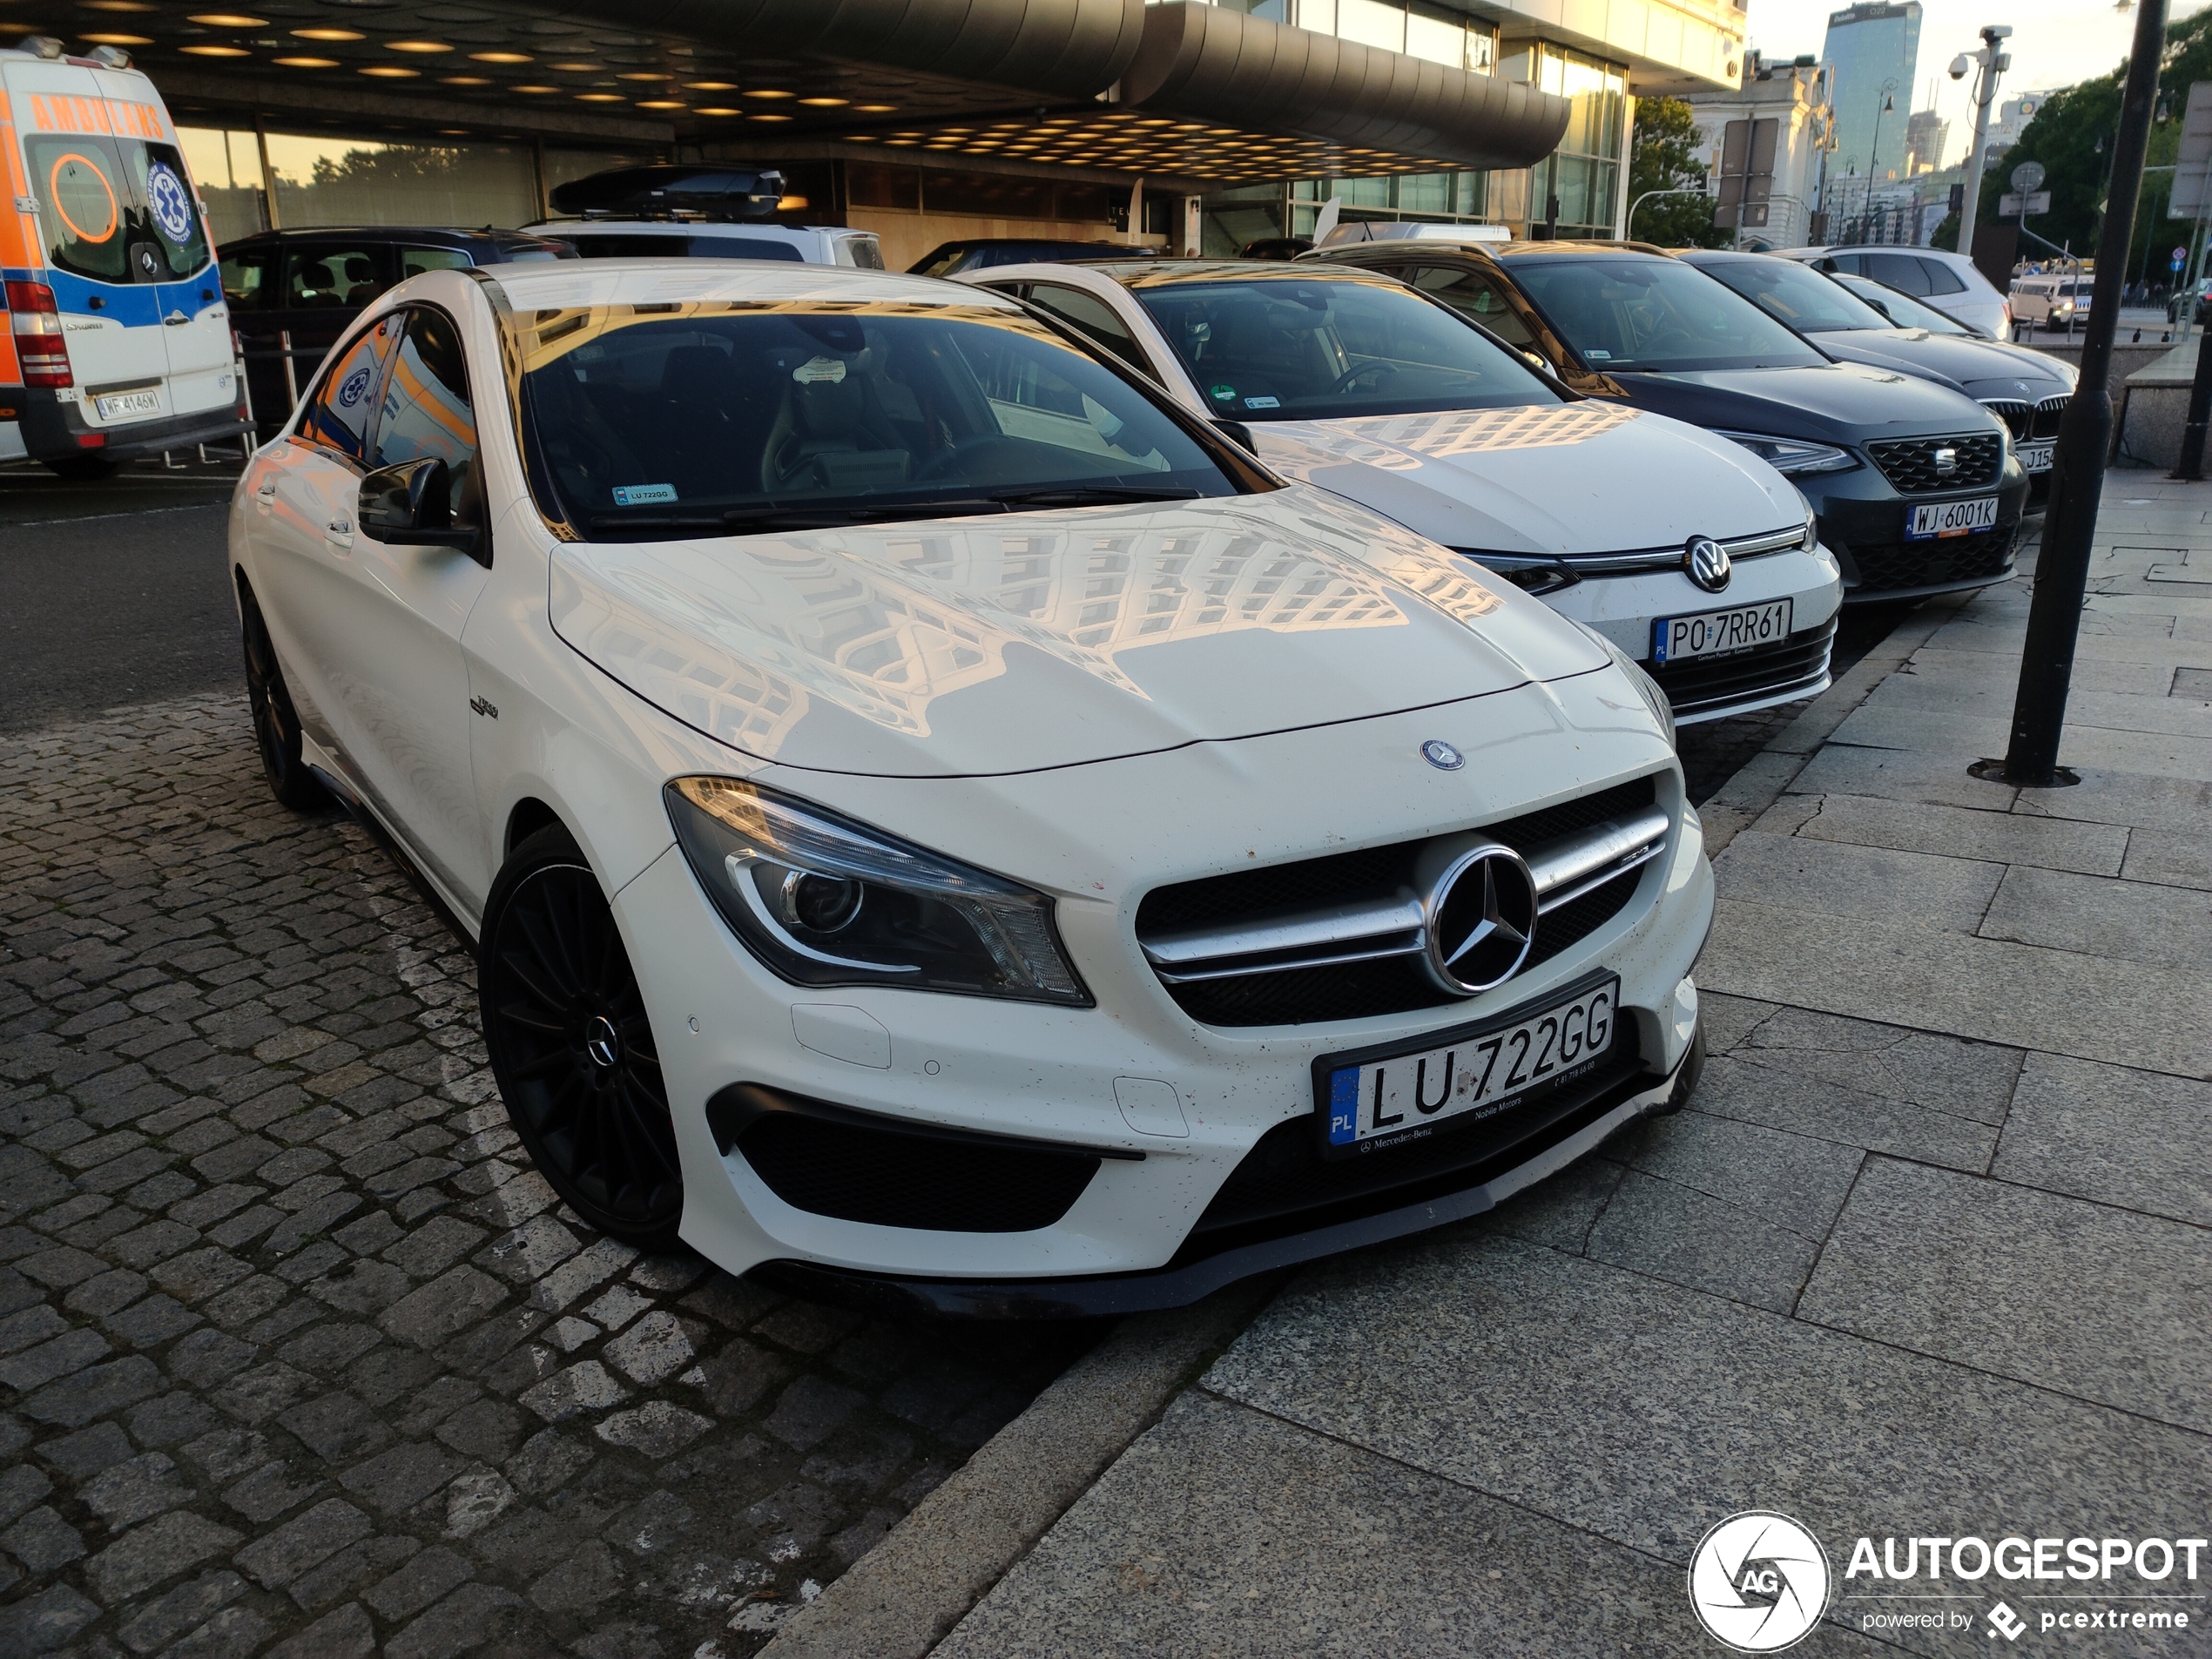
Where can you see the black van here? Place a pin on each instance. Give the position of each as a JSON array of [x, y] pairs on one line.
[[292, 292]]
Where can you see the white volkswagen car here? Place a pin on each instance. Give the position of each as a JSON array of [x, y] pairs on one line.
[[1687, 551], [938, 821]]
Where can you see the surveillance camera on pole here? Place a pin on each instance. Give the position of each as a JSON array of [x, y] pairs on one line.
[[1993, 64]]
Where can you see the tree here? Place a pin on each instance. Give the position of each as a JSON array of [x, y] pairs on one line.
[[1664, 154]]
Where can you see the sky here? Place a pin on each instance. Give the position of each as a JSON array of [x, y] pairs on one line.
[[2054, 44]]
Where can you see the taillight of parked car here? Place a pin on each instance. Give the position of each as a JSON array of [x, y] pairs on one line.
[[37, 327]]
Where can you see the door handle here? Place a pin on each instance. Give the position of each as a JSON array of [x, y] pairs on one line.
[[338, 532], [267, 492], [175, 320]]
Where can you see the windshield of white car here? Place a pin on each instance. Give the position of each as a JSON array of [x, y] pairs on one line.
[[1809, 302], [1658, 314], [1902, 309], [1269, 348], [711, 418]]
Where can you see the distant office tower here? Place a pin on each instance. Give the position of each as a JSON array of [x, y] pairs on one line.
[[1873, 45], [1923, 141]]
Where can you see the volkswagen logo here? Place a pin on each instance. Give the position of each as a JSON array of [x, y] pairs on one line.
[[1443, 756], [1481, 917], [1705, 562], [1946, 462], [602, 1042]]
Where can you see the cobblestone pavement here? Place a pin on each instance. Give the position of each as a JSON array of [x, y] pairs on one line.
[[297, 1356]]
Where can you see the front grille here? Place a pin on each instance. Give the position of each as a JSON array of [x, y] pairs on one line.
[[2030, 422], [1285, 1185], [1366, 989], [1704, 683], [1910, 463], [894, 1177], [1887, 566]]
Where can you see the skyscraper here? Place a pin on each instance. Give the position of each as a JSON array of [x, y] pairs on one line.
[[1925, 137], [1871, 45]]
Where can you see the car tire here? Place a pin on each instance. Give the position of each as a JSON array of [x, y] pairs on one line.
[[573, 1048], [276, 726], [82, 469]]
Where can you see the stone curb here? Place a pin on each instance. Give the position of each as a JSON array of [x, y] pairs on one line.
[[901, 1598]]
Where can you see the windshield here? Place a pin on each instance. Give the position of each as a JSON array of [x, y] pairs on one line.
[[1903, 310], [704, 418], [1297, 350], [1657, 314], [1808, 301]]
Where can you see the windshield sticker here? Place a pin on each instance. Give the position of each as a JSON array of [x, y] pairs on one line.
[[1599, 356], [643, 494], [1263, 403], [817, 368], [171, 203], [1224, 393]]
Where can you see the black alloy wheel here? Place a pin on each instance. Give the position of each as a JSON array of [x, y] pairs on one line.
[[276, 727], [571, 1046]]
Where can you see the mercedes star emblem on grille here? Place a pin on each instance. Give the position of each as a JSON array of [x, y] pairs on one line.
[[1443, 756], [1481, 918], [1706, 563]]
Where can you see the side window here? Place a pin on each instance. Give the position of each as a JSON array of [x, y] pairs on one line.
[[334, 278], [172, 215], [1474, 294], [427, 413], [1900, 270], [84, 201], [413, 261], [1941, 278], [338, 415], [247, 274], [1093, 318]]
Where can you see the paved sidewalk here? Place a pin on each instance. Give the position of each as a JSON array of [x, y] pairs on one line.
[[1929, 1255], [297, 1356]]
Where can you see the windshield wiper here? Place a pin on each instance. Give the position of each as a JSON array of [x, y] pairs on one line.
[[1092, 495]]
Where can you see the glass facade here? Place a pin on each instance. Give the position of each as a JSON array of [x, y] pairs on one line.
[[1872, 47], [319, 180]]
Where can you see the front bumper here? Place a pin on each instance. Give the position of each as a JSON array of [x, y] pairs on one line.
[[1170, 1108], [1576, 1130], [1863, 520], [1627, 608]]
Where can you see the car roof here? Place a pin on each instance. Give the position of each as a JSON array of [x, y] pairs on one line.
[[567, 284], [1606, 250], [385, 233], [676, 228], [1149, 274]]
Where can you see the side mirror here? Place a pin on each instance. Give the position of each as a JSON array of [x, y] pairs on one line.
[[411, 505], [1238, 433]]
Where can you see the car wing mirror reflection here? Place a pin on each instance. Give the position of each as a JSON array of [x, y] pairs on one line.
[[411, 505]]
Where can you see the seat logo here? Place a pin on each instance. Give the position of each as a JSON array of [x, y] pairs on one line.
[[1443, 756], [1481, 918], [1759, 1581], [1706, 563], [1946, 462]]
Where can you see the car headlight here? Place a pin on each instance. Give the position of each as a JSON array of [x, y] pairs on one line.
[[822, 900], [1793, 455]]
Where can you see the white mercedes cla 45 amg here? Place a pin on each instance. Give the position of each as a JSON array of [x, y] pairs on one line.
[[940, 825]]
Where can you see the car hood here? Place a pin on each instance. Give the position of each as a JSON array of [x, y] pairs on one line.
[[1828, 403], [1547, 480], [1981, 368], [978, 647]]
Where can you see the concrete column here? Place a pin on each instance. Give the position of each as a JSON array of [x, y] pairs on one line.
[[1193, 227]]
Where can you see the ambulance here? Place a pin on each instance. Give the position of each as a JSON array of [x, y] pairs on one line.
[[116, 341]]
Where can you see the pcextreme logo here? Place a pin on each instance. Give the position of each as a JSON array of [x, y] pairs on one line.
[[1759, 1581]]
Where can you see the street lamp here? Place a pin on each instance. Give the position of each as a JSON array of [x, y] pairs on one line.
[[1993, 64], [1873, 150]]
